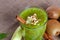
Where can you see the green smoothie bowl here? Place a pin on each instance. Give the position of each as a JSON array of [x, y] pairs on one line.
[[35, 25]]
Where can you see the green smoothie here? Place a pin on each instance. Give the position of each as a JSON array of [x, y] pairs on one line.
[[34, 32]]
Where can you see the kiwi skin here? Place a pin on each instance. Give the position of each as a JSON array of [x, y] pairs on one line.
[[53, 12], [53, 26]]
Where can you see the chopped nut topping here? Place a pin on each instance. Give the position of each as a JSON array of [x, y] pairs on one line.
[[32, 19]]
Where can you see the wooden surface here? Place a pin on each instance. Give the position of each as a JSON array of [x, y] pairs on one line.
[[10, 8]]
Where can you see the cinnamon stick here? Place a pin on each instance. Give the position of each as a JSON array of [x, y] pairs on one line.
[[50, 37], [45, 36], [20, 19]]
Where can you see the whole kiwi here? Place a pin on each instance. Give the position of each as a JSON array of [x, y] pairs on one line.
[[53, 27], [53, 12]]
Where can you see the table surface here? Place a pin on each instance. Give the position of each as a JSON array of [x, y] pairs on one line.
[[10, 8]]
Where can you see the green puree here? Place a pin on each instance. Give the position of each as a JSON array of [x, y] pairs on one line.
[[31, 32], [34, 32]]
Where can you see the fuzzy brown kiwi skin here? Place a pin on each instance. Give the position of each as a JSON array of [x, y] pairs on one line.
[[53, 12], [53, 27]]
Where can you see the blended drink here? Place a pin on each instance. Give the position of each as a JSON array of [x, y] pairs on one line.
[[35, 23]]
